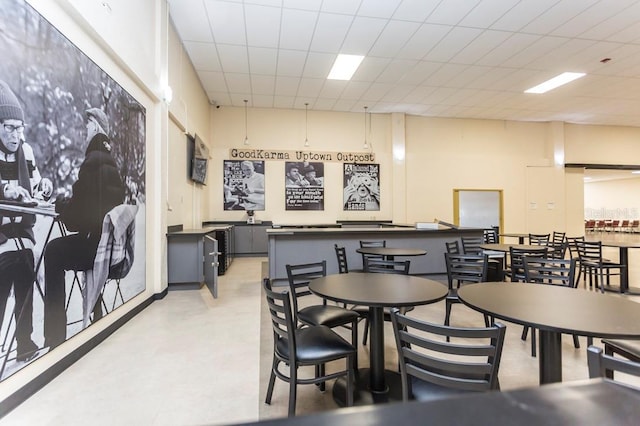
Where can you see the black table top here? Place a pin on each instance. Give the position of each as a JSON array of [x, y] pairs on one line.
[[391, 251], [506, 246], [592, 402], [379, 290], [555, 308]]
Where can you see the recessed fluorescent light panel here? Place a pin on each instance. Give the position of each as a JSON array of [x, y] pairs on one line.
[[556, 81], [344, 67], [636, 172]]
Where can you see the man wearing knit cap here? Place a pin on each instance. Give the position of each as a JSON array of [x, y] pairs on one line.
[[98, 189], [19, 181]]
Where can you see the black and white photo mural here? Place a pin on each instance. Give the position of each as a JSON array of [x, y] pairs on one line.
[[304, 185], [243, 185], [72, 189], [361, 187]]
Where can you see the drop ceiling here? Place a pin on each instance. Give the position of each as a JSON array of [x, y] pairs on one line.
[[441, 58]]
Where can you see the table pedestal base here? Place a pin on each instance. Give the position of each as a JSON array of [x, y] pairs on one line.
[[362, 390], [550, 355]]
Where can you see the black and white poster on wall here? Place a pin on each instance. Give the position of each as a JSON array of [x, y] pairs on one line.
[[361, 187], [304, 185], [72, 189], [243, 185]]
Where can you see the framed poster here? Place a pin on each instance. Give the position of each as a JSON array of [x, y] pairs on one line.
[[361, 187], [243, 185], [304, 186]]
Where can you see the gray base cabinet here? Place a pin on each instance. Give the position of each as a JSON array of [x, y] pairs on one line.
[[192, 259], [251, 240]]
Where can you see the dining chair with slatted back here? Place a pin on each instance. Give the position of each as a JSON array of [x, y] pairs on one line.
[[539, 239], [549, 271], [603, 365], [296, 347], [471, 245], [332, 316], [629, 349], [515, 270], [378, 266], [363, 244], [596, 267], [341, 255], [490, 236], [463, 269], [453, 247], [432, 369]]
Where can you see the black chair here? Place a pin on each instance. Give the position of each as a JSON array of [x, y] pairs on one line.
[[629, 349], [572, 246], [323, 314], [341, 255], [515, 270], [297, 347], [461, 269], [363, 244], [453, 247], [603, 365], [490, 236], [539, 239], [471, 245], [432, 369], [595, 267], [560, 272], [382, 267]]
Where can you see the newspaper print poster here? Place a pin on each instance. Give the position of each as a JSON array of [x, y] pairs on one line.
[[243, 185], [304, 186], [362, 187]]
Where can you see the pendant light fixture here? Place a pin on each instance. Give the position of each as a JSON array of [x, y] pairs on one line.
[[306, 124], [246, 131], [366, 145]]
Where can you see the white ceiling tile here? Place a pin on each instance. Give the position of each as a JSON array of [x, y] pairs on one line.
[[297, 29], [349, 7], [630, 34], [423, 40], [378, 9], [287, 86], [444, 74], [556, 16], [417, 95], [451, 12], [501, 54], [291, 62], [310, 87], [397, 94], [263, 25], [227, 22], [415, 10], [480, 46], [420, 72], [467, 75], [263, 84], [395, 71], [540, 48], [262, 101], [190, 20], [377, 91], [318, 65], [204, 56], [220, 98], [330, 32], [370, 68], [456, 40], [324, 104], [283, 101], [362, 34], [393, 38], [313, 5], [521, 14], [355, 90], [263, 60], [275, 3], [592, 17], [333, 88], [487, 12], [233, 58], [238, 83], [213, 81]]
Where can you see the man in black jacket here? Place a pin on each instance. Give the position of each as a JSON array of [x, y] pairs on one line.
[[98, 189]]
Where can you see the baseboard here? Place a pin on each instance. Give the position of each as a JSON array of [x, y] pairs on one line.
[[25, 392]]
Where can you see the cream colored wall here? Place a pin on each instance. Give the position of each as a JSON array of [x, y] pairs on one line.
[[612, 199], [187, 202], [282, 129], [602, 144], [138, 67]]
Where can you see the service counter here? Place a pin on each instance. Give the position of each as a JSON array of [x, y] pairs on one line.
[[306, 245]]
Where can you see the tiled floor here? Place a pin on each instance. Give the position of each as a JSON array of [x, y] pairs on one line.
[[190, 359]]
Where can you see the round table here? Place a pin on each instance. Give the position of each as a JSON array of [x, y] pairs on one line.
[[555, 310], [504, 247], [390, 252], [376, 291]]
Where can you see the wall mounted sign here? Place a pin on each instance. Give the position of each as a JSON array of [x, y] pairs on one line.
[[304, 186], [301, 156], [362, 187]]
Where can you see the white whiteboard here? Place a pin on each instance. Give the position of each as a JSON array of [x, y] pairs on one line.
[[479, 209]]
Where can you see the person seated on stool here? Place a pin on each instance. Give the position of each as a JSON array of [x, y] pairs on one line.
[[99, 188], [19, 181]]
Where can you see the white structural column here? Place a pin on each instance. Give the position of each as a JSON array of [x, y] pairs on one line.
[[399, 169]]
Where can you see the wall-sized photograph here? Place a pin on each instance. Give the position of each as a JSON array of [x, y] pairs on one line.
[[304, 185], [243, 185], [361, 187], [72, 189]]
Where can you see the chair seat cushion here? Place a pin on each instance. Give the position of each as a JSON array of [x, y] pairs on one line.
[[425, 391], [316, 343], [329, 315]]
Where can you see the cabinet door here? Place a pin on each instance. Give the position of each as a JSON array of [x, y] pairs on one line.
[[260, 244], [243, 239], [185, 255], [211, 264]]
